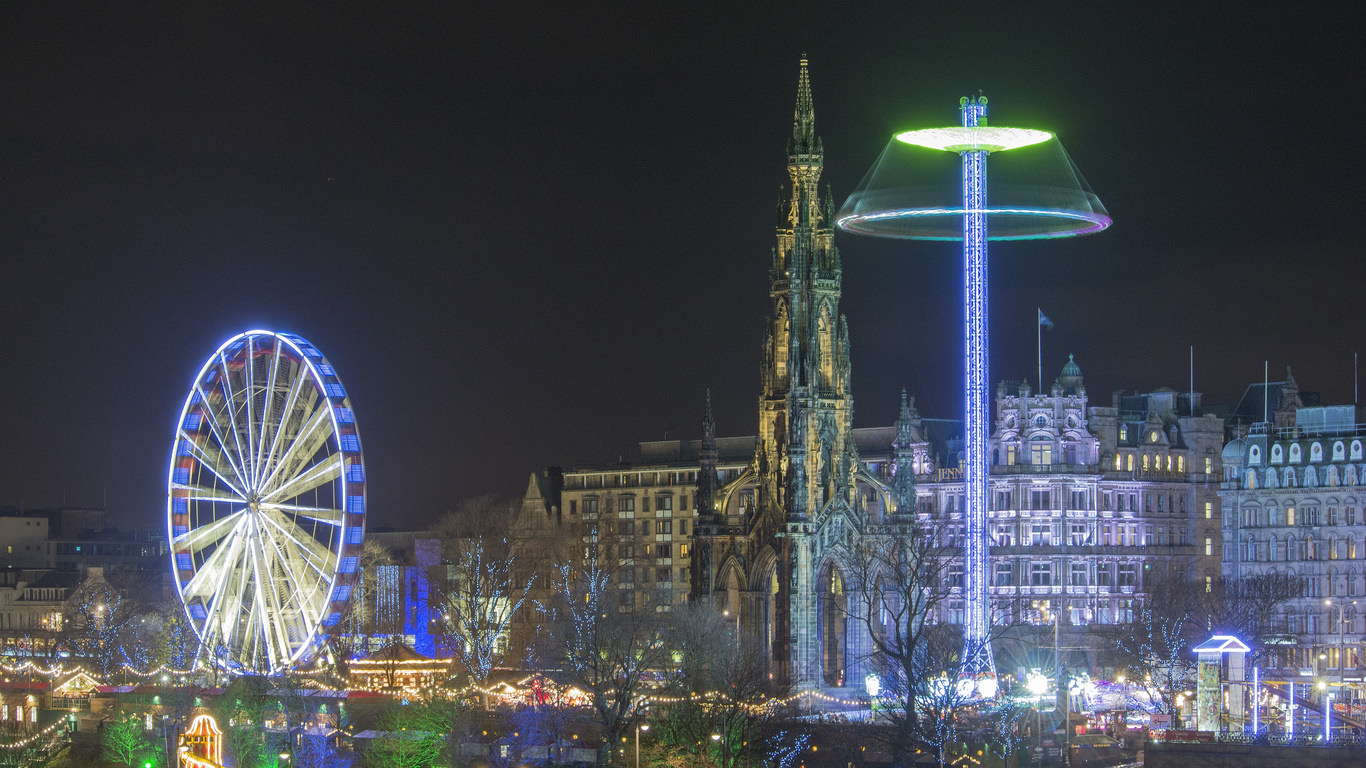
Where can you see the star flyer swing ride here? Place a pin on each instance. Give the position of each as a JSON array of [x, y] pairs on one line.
[[266, 502], [1041, 195]]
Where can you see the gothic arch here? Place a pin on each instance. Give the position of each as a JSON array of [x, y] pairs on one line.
[[731, 580], [764, 587], [832, 621]]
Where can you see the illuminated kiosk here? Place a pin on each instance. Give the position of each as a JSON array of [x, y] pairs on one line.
[[905, 195], [1209, 693], [265, 502], [201, 746]]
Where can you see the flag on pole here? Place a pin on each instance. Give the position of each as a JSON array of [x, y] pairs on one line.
[[1044, 321]]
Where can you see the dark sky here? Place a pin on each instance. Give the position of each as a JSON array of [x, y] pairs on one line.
[[535, 233]]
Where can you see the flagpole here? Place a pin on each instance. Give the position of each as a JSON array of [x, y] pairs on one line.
[[1038, 343]]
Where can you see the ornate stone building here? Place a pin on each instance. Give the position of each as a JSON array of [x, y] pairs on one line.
[[1294, 506], [769, 543]]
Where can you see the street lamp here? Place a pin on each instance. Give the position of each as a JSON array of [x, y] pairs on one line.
[[1341, 640], [639, 728], [1328, 718]]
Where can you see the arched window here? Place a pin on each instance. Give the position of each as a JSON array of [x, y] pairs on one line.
[[1130, 468], [1316, 452], [1295, 455], [1277, 454], [1291, 553], [1356, 450], [1272, 549], [1339, 451]]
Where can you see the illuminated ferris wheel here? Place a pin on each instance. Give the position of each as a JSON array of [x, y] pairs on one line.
[[266, 507]]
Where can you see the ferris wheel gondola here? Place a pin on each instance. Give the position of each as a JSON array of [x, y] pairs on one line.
[[266, 502]]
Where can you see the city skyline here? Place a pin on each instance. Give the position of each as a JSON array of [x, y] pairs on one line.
[[536, 239]]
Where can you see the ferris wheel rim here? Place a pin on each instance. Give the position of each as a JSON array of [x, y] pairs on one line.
[[265, 525]]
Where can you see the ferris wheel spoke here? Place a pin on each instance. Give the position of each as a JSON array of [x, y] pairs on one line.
[[300, 592], [201, 537], [312, 436], [208, 495], [313, 477], [269, 426], [325, 515], [230, 402], [216, 429], [280, 431], [310, 551], [209, 578], [210, 462], [267, 602], [249, 400]]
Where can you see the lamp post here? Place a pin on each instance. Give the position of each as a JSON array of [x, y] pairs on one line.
[[1328, 717], [639, 728], [717, 737], [1342, 648]]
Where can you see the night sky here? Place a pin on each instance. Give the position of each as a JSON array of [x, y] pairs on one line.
[[532, 234]]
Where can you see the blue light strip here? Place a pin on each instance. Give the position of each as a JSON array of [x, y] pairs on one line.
[[978, 662]]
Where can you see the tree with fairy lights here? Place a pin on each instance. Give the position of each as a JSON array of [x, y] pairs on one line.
[[607, 639], [484, 585], [1158, 647], [899, 589], [97, 621], [124, 741]]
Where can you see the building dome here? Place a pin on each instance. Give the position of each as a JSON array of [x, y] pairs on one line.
[[1233, 452], [1071, 369]]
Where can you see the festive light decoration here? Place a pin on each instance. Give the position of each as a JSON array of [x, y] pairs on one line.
[[874, 209]]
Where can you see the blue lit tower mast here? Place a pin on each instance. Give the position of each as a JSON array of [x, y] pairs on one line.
[[978, 663], [893, 201]]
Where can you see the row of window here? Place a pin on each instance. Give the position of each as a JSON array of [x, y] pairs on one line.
[[634, 479], [1120, 534], [626, 528], [1308, 548], [1079, 612], [1308, 477], [1153, 462], [662, 503], [1278, 517], [1296, 452], [630, 551]]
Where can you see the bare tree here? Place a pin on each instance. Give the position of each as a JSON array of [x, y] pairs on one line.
[[483, 587], [899, 588], [607, 639], [719, 683], [366, 624]]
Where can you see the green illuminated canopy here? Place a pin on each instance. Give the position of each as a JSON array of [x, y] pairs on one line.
[[964, 139]]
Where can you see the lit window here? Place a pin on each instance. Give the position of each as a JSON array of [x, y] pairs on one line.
[[1209, 546], [1209, 510]]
